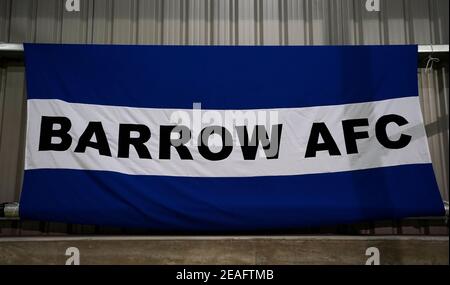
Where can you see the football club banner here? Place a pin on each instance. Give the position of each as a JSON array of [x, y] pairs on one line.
[[222, 138]]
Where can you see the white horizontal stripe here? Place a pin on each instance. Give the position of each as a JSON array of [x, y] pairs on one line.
[[296, 122]]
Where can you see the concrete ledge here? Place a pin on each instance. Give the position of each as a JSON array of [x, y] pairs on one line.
[[224, 250]]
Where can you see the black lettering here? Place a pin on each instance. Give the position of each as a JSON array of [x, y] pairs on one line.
[[227, 140], [165, 142], [94, 128], [271, 147], [47, 133], [320, 129], [125, 140], [380, 131], [351, 136]]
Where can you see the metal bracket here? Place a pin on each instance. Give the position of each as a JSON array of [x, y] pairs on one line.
[[9, 211]]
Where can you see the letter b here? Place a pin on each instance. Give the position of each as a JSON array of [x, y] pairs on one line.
[[47, 133]]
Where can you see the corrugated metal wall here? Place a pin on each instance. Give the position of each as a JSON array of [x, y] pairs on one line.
[[222, 22], [248, 22]]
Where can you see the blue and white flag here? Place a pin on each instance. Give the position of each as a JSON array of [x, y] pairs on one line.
[[225, 138]]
